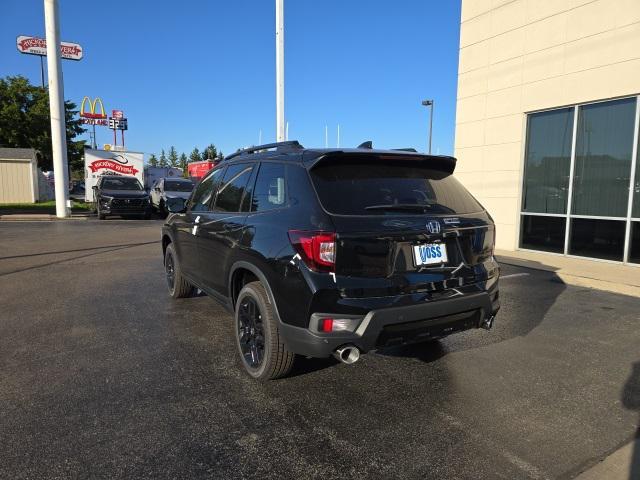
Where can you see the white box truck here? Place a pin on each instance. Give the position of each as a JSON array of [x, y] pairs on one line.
[[152, 174], [106, 162]]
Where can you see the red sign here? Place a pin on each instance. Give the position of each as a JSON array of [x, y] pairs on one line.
[[38, 46], [104, 164], [197, 170], [117, 114]]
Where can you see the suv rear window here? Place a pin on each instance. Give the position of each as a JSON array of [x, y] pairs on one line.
[[352, 186]]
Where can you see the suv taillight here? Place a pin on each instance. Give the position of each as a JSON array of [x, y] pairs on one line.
[[317, 249]]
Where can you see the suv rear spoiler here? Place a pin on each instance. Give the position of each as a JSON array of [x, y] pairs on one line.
[[436, 162]]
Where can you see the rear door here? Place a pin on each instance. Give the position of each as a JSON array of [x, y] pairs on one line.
[[221, 229], [405, 221]]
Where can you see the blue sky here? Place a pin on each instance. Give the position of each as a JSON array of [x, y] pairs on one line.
[[194, 72]]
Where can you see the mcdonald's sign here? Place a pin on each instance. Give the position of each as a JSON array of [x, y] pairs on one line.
[[90, 115]]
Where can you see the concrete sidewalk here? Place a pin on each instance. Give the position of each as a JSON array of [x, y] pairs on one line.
[[607, 276], [623, 464]]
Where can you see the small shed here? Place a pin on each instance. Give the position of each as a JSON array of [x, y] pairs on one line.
[[18, 175]]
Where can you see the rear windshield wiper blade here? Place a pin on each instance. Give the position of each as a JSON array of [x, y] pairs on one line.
[[399, 206]]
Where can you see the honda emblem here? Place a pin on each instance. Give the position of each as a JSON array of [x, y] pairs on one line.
[[433, 227]]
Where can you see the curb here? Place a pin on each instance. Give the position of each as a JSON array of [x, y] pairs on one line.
[[41, 217]]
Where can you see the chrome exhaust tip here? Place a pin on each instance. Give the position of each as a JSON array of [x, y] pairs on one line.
[[347, 354], [487, 323]]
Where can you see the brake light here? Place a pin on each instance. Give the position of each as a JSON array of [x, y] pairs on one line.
[[327, 324], [317, 249]]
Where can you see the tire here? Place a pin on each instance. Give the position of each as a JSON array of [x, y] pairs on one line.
[[256, 327], [178, 286]]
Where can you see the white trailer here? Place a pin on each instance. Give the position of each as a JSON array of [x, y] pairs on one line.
[[106, 162]]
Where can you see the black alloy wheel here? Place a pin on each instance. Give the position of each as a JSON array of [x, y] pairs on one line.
[[251, 332], [170, 271], [179, 287]]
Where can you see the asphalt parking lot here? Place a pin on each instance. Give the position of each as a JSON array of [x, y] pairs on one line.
[[103, 376]]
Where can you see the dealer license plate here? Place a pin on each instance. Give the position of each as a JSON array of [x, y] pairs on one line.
[[430, 253]]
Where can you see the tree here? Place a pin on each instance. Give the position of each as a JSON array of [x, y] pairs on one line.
[[182, 164], [153, 161], [25, 122], [195, 155], [220, 155], [210, 153], [173, 157], [163, 159]]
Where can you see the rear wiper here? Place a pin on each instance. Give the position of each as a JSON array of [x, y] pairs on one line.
[[399, 206]]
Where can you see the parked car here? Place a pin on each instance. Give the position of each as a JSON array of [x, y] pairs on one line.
[[76, 191], [333, 251], [120, 195], [166, 188]]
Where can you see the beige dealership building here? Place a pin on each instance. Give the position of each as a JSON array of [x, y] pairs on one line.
[[547, 123]]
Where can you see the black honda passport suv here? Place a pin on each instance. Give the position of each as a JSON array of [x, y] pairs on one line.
[[333, 251]]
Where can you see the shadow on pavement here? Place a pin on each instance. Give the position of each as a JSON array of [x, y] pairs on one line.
[[57, 252], [515, 319], [631, 401], [56, 262], [304, 366], [426, 352]]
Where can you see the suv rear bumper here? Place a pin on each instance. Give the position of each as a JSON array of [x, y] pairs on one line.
[[399, 325]]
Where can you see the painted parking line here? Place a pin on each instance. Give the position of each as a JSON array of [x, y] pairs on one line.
[[514, 275]]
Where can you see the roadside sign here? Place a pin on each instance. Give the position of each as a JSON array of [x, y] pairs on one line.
[[117, 114], [118, 124], [90, 114], [38, 46]]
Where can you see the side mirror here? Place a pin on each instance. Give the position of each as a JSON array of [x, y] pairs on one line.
[[95, 187], [176, 205]]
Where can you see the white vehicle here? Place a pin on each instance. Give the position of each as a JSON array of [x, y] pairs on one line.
[[166, 188], [153, 174]]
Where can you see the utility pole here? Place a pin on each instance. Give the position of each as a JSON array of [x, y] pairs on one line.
[[56, 106], [280, 128], [429, 103]]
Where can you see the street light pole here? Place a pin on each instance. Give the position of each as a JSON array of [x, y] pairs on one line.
[[429, 103], [280, 127], [56, 107]]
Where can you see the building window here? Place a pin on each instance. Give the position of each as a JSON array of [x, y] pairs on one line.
[[604, 145], [597, 238], [578, 167], [543, 233], [548, 161], [634, 248]]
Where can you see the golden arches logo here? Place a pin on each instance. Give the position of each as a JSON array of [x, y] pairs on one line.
[[92, 108]]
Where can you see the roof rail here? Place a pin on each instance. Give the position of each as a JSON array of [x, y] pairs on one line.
[[405, 150], [288, 146]]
